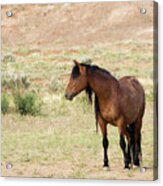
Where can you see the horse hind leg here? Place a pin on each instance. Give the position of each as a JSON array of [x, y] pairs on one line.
[[123, 132], [138, 151], [138, 154], [131, 146], [135, 143], [125, 154]]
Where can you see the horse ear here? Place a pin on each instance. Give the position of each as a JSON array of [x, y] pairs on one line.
[[81, 68], [76, 62]]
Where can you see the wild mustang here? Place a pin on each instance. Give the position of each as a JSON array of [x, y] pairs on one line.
[[120, 103]]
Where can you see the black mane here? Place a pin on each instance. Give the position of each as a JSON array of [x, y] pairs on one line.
[[88, 90], [92, 68], [76, 72]]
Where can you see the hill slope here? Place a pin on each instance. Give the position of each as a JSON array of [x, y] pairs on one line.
[[67, 25]]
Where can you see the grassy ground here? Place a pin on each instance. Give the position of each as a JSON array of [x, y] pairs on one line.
[[62, 142]]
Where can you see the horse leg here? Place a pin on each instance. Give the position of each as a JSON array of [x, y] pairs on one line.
[[105, 142], [130, 130], [131, 149], [138, 154], [138, 151], [126, 152], [105, 146], [126, 155]]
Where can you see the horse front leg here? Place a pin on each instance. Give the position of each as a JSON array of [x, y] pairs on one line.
[[105, 142]]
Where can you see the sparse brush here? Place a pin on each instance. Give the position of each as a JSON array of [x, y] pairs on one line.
[[15, 81], [56, 85], [28, 103], [8, 58], [4, 104]]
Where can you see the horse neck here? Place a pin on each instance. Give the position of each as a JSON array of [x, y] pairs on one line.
[[103, 85]]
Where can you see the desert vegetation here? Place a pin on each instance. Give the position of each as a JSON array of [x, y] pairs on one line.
[[43, 134]]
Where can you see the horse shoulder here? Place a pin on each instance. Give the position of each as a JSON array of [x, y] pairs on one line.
[[110, 109]]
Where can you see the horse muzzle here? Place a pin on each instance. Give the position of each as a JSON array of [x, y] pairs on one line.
[[69, 96]]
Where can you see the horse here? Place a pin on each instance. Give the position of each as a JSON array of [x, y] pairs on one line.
[[121, 103]]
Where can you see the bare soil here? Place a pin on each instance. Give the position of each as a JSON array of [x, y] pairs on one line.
[[69, 25]]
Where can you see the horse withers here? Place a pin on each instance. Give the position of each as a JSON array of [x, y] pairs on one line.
[[118, 102]]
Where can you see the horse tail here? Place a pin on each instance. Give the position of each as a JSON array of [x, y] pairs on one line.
[[97, 111]]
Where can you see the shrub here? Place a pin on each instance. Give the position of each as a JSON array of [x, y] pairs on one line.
[[8, 58], [4, 104], [56, 85], [15, 81], [27, 103]]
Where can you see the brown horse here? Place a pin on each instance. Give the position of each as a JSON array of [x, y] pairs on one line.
[[118, 102]]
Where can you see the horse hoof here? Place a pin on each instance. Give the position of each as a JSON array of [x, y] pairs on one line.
[[126, 168], [142, 169], [106, 168], [130, 166], [135, 166]]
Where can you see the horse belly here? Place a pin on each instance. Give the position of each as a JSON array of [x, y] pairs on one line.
[[110, 114]]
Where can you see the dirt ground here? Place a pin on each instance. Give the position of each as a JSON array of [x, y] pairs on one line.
[[70, 25]]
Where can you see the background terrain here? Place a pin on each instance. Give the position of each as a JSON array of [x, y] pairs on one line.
[[38, 44]]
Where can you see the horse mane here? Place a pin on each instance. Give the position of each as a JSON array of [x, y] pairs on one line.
[[88, 90], [89, 94], [91, 68]]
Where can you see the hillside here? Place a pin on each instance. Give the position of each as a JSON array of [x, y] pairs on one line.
[[60, 26]]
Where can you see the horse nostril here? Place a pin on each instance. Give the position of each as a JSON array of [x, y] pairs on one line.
[[69, 96], [66, 96]]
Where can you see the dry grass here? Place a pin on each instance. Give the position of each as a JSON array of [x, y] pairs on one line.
[[62, 148], [62, 142]]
